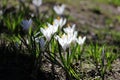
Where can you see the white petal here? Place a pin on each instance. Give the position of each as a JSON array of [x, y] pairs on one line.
[[59, 9], [37, 2]]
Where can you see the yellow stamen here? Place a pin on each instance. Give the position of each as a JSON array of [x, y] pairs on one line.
[[58, 18], [64, 36]]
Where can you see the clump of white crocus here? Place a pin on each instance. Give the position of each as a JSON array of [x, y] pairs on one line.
[[49, 31], [81, 40], [37, 3], [26, 24], [64, 41], [59, 9], [60, 22]]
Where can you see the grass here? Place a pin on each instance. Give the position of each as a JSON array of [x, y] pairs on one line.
[[112, 2]]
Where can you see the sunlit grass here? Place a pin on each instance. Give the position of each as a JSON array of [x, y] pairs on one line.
[[113, 2]]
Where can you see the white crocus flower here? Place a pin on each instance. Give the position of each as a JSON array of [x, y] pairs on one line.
[[69, 29], [60, 22], [53, 28], [49, 31], [26, 24], [81, 40], [37, 2], [59, 9], [64, 41], [73, 36]]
